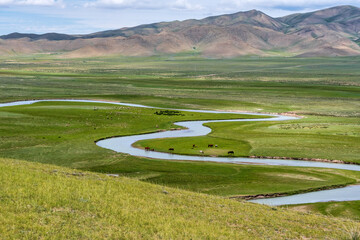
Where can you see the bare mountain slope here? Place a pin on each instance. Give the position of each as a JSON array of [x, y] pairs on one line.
[[330, 32], [344, 16]]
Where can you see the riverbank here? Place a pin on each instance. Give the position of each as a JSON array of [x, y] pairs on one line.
[[306, 159], [72, 127], [141, 146], [276, 195]]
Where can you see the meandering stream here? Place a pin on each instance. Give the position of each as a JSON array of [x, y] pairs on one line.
[[197, 128]]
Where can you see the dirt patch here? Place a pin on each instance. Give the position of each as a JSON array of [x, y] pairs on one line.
[[297, 176], [302, 208]]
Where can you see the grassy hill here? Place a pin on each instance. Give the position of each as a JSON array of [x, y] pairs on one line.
[[350, 209], [41, 202]]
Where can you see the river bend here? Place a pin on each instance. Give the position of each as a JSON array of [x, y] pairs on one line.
[[197, 128]]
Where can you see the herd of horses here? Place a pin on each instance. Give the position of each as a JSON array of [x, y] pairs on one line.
[[194, 146]]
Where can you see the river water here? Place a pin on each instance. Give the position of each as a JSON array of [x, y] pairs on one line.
[[196, 128]]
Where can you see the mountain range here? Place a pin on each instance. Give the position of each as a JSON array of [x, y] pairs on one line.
[[329, 32]]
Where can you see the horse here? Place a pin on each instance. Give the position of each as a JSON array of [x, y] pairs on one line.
[[210, 145], [231, 152]]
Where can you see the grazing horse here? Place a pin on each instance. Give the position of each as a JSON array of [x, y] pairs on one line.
[[171, 149], [147, 149], [201, 151], [231, 152], [194, 145], [210, 145]]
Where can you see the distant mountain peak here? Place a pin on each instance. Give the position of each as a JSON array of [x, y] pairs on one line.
[[324, 16], [329, 32], [254, 12]]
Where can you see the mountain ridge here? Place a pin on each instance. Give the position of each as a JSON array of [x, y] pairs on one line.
[[329, 32]]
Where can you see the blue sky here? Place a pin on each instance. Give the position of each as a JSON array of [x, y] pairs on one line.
[[87, 16]]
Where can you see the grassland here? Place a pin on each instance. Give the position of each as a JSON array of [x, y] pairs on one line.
[[63, 133], [326, 86], [350, 210], [326, 91], [66, 131], [46, 202], [311, 137]]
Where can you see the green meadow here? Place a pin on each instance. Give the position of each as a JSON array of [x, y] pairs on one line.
[[349, 210], [321, 86], [311, 137], [325, 91], [64, 133]]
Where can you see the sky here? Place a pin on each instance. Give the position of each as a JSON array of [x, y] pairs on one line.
[[88, 16]]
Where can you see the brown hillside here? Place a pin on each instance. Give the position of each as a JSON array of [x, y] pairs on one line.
[[328, 32]]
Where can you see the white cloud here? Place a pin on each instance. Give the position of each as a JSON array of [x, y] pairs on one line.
[[32, 2], [145, 4], [219, 6], [103, 3], [6, 2], [283, 4], [38, 2], [3, 2], [185, 5]]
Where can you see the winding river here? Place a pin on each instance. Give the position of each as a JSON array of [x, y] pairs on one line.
[[197, 128]]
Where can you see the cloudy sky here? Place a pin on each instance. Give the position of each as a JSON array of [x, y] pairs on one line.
[[86, 16]]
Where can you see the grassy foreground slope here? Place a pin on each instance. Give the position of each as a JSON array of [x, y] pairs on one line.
[[42, 201]]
